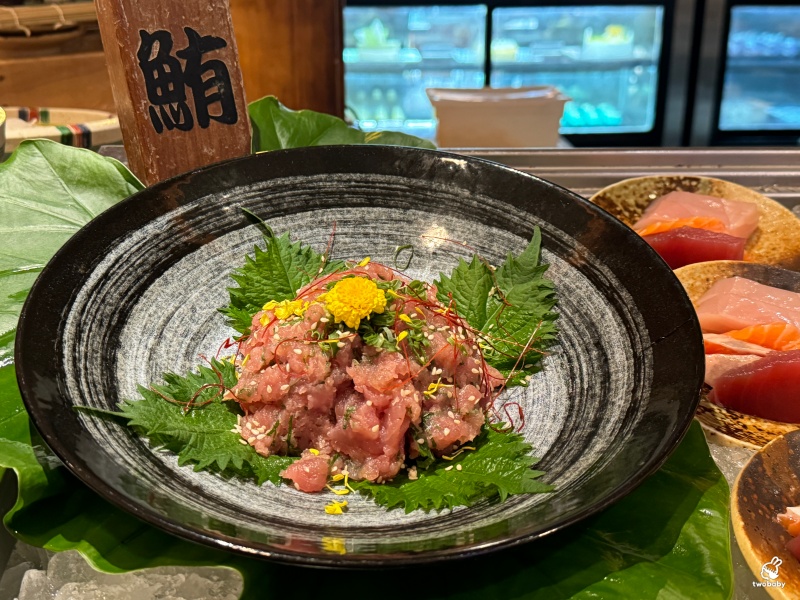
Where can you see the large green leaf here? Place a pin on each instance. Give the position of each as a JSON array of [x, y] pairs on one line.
[[668, 539], [276, 127], [47, 192]]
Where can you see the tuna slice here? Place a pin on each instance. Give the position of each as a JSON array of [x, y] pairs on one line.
[[719, 364], [689, 245], [740, 219], [793, 546], [768, 388], [736, 303]]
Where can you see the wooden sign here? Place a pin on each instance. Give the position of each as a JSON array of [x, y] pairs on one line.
[[176, 81]]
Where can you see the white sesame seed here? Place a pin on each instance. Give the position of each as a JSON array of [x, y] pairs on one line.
[[323, 319], [476, 371], [234, 430], [288, 367], [284, 387], [448, 468], [242, 442], [306, 469], [420, 441], [261, 436], [369, 402], [458, 467], [446, 431], [269, 389], [449, 394], [376, 427], [253, 382], [298, 351], [340, 344], [450, 414], [334, 469], [276, 336], [456, 421], [471, 399], [251, 439], [314, 324], [432, 327], [405, 393]]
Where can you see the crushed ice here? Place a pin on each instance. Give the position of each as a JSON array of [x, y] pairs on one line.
[[34, 574]]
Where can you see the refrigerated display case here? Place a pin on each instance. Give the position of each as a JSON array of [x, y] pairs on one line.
[[748, 71], [605, 58], [625, 63], [392, 54]]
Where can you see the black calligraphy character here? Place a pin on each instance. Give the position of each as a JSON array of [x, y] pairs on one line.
[[212, 89], [163, 79]]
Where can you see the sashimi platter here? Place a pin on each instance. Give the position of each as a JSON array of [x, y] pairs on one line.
[[734, 250]]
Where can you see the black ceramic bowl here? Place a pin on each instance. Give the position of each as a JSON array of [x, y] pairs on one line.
[[135, 293]]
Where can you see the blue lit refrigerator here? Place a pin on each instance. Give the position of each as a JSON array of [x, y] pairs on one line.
[[624, 64], [749, 90], [607, 59], [393, 53]]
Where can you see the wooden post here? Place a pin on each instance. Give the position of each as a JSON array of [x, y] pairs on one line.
[[292, 49], [177, 84]]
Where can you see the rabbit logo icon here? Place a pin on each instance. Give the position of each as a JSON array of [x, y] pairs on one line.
[[769, 573], [769, 570]]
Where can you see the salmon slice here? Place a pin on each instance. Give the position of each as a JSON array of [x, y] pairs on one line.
[[688, 245], [719, 364], [739, 218], [717, 343], [777, 336], [790, 520], [768, 388], [737, 303], [708, 223]]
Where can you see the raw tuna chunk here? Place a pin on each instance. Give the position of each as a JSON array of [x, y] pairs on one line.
[[310, 473], [736, 303], [740, 219], [688, 245], [767, 388]]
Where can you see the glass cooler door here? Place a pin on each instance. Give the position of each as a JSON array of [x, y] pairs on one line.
[[392, 54], [605, 58], [760, 97]]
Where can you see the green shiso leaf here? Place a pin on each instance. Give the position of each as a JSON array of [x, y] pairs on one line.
[[512, 306], [275, 272], [276, 127], [500, 465], [202, 435]]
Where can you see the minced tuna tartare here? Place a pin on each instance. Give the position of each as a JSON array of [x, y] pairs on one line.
[[363, 372]]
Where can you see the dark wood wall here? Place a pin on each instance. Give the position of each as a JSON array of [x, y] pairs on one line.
[[292, 49]]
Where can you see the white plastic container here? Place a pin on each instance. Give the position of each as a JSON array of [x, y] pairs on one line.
[[498, 117]]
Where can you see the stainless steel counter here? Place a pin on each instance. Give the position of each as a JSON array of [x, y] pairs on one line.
[[774, 172]]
